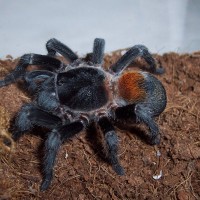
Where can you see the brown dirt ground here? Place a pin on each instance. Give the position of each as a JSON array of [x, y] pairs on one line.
[[81, 173]]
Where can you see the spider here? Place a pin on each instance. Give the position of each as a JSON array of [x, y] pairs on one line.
[[67, 98]]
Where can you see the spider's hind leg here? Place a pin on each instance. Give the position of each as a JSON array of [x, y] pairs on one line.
[[142, 115], [111, 144], [133, 53]]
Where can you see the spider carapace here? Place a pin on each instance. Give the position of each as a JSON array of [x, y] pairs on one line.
[[83, 89]]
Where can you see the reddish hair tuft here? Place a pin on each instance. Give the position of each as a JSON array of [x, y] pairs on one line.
[[130, 86]]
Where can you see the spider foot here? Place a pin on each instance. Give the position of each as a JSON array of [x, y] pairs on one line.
[[118, 169], [46, 183], [16, 135], [160, 70], [155, 140]]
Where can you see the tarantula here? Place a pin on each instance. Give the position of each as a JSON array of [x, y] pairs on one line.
[[68, 97]]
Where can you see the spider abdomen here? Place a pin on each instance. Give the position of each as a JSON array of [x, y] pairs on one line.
[[142, 88], [82, 89]]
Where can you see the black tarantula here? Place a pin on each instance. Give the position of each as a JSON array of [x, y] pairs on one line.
[[67, 98]]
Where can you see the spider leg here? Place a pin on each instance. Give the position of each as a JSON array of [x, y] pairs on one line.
[[111, 144], [31, 115], [52, 144], [35, 78], [53, 46], [98, 51], [131, 55], [142, 114], [46, 97], [41, 84], [47, 62]]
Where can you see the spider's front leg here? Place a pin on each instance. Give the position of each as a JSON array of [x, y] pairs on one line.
[[98, 51], [143, 115], [55, 138], [41, 84], [19, 72], [35, 78], [54, 46], [111, 144]]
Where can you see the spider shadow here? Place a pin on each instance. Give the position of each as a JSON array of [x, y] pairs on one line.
[[96, 142], [134, 130]]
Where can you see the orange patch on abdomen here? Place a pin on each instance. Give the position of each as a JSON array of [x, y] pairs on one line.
[[130, 87]]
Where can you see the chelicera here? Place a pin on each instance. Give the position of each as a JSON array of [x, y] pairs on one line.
[[67, 98]]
